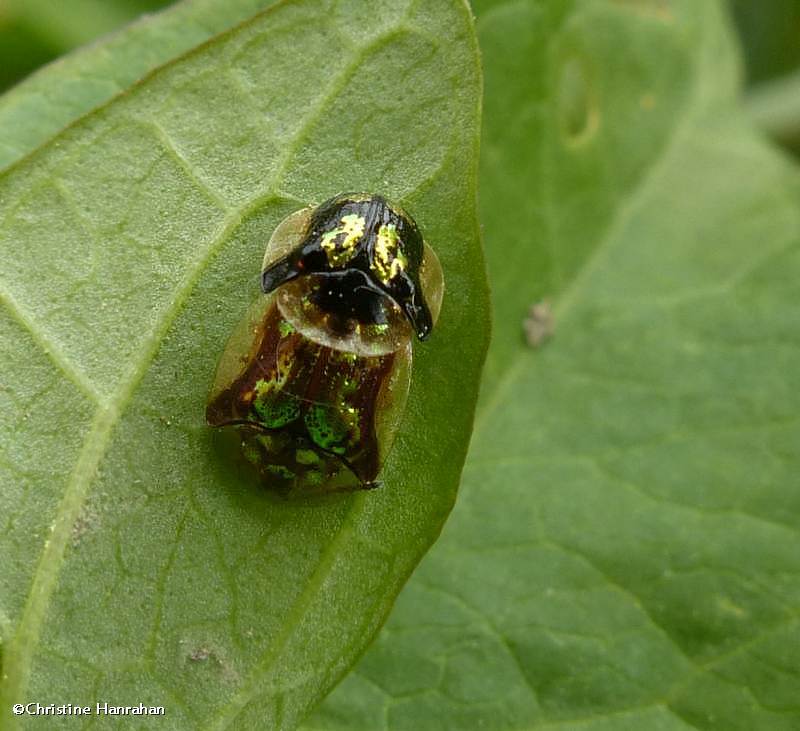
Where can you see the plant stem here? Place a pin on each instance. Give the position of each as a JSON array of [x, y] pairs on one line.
[[775, 107]]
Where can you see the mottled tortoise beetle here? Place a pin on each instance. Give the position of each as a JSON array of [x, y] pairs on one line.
[[316, 376]]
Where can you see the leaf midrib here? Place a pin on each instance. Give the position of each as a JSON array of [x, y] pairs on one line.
[[18, 654], [56, 355]]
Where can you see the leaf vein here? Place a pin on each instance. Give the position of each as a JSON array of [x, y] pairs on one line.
[[50, 348], [172, 150], [250, 688]]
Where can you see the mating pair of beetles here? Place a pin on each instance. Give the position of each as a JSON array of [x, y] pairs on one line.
[[315, 377]]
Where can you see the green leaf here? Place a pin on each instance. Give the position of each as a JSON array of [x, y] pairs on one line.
[[625, 552], [770, 34], [775, 107], [139, 567], [42, 105], [64, 26]]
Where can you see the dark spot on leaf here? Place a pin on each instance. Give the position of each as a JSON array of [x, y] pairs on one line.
[[200, 654]]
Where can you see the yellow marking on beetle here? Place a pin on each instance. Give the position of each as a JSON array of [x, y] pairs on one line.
[[389, 259], [262, 387], [340, 242]]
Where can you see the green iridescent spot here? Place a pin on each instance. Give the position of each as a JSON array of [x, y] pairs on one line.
[[326, 427], [276, 410]]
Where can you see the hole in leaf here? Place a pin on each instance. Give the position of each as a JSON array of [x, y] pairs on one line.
[[577, 109]]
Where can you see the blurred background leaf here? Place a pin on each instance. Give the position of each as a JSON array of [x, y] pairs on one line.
[[33, 32], [770, 36]]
